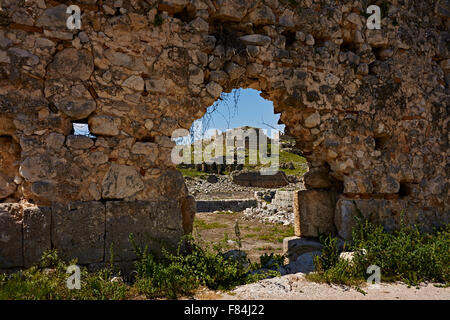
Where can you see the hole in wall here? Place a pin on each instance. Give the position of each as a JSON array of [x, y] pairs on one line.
[[290, 38], [211, 184], [185, 15], [81, 128], [405, 190], [147, 139], [381, 143]]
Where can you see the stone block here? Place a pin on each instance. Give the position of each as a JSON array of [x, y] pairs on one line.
[[10, 236], [153, 224], [256, 179], [314, 212], [317, 178], [284, 199], [386, 212], [188, 209], [78, 231], [36, 233]]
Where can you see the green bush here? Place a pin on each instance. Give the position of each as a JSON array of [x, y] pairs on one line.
[[406, 255], [177, 274], [47, 281], [169, 275]]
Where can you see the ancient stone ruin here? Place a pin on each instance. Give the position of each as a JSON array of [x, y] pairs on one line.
[[368, 108]]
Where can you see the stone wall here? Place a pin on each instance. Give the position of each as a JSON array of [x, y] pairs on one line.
[[87, 231], [225, 205], [368, 108]]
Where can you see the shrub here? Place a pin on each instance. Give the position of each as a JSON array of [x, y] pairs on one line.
[[406, 255], [47, 281], [177, 274]]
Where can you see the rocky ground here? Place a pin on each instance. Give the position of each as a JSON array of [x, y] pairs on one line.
[[257, 238], [296, 287], [222, 187]]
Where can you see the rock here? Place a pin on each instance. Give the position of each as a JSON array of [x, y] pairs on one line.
[[304, 263], [153, 224], [284, 200], [212, 178], [234, 71], [55, 140], [76, 109], [219, 76], [294, 247], [7, 188], [172, 6], [386, 212], [124, 60], [200, 25], [98, 158], [214, 89], [145, 148], [196, 74], [55, 17], [389, 184], [36, 233], [256, 39], [104, 125], [310, 40], [317, 178], [10, 236], [134, 82], [262, 16], [39, 168], [312, 121], [78, 231], [79, 142], [9, 159], [231, 10], [121, 182], [256, 179], [357, 183], [314, 213], [188, 210], [72, 64]]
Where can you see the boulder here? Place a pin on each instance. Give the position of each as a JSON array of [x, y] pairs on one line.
[[212, 178], [36, 233], [10, 235], [121, 181], [294, 247], [78, 231], [104, 125], [314, 212], [317, 178], [304, 263], [153, 224]]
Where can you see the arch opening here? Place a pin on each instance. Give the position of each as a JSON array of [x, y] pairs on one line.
[[236, 138]]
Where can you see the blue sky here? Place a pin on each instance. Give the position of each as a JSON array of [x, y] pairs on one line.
[[252, 110]]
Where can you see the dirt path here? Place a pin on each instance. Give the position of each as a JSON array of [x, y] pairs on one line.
[[257, 238], [296, 287]]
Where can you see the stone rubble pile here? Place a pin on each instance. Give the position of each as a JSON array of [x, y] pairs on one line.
[[274, 206], [223, 184]]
